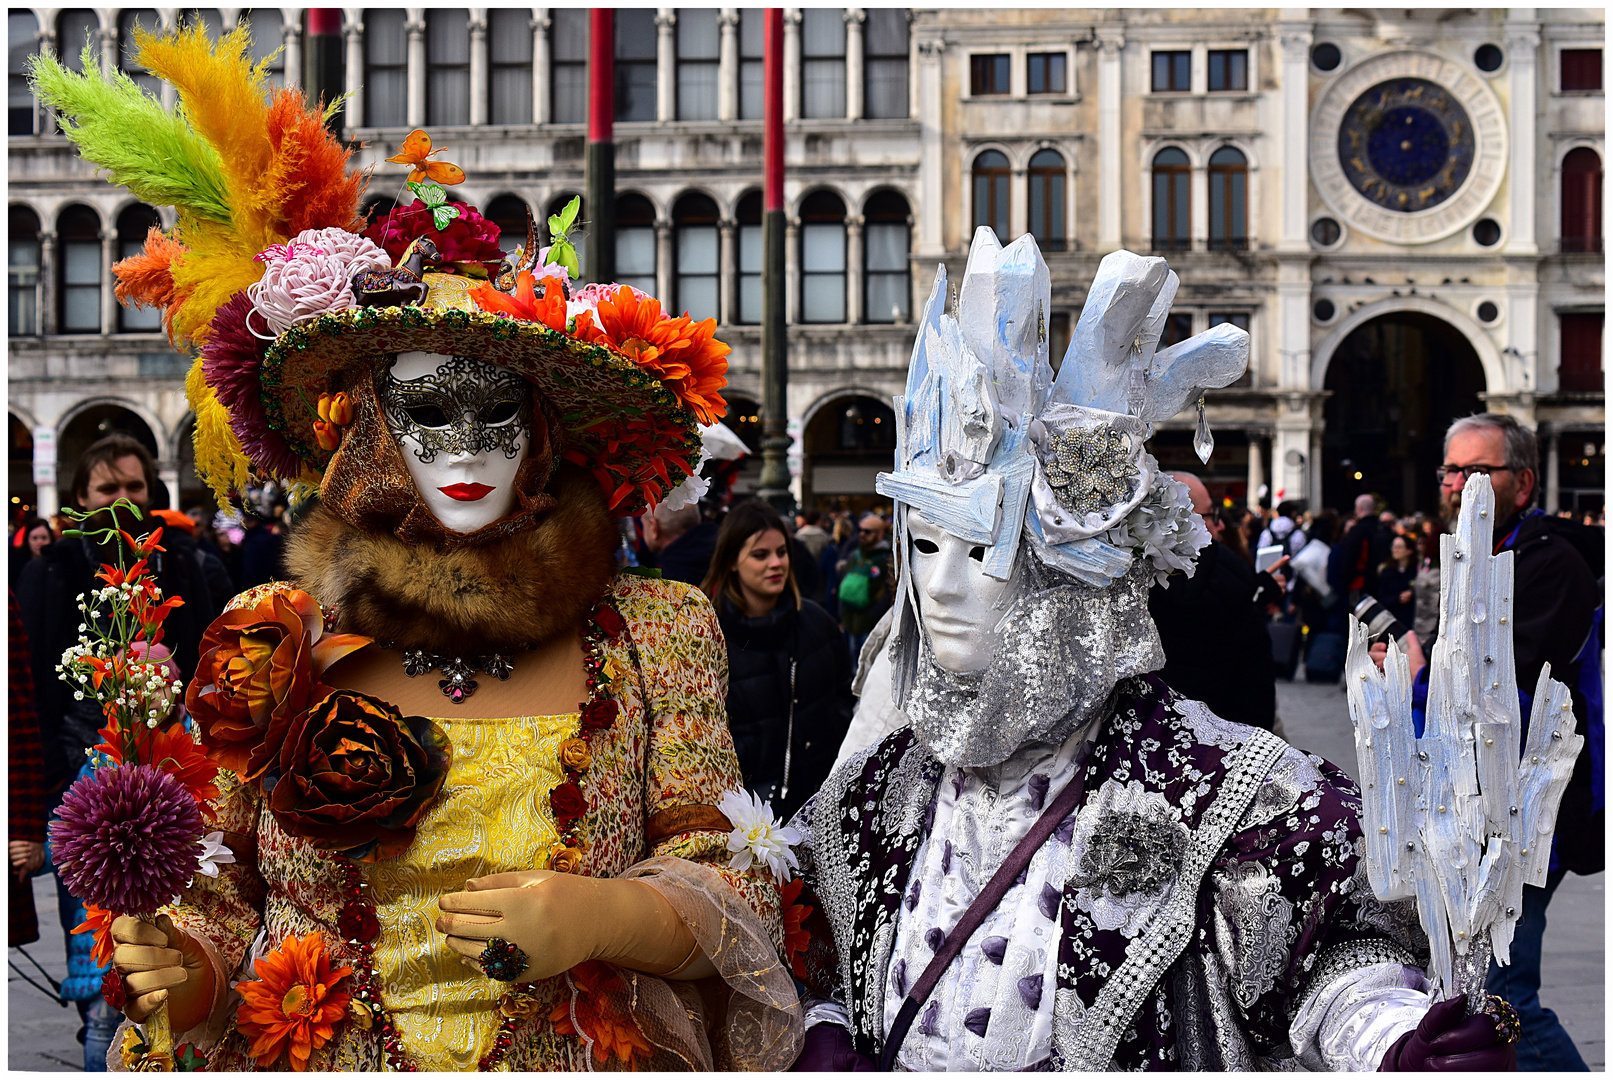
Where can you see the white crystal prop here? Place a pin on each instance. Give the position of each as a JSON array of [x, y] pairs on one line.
[[1002, 312], [1117, 334], [1203, 441], [1455, 818]]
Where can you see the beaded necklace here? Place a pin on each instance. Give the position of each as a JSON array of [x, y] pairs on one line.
[[359, 924]]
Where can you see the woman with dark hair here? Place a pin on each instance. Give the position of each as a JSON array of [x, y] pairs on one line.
[[27, 542], [1395, 578], [789, 678]]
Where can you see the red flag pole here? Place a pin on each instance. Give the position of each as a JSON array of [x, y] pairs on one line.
[[774, 483], [600, 166]]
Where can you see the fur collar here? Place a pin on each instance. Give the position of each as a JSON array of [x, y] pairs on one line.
[[465, 601]]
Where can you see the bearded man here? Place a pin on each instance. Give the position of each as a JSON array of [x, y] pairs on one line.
[[1061, 863]]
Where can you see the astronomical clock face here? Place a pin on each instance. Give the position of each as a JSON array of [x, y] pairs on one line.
[[1406, 144]]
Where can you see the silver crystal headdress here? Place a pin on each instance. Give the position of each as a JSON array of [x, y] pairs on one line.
[[996, 451]]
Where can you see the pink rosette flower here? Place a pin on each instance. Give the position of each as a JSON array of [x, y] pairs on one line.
[[308, 277]]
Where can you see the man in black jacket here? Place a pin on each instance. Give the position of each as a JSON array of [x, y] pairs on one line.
[[116, 467], [1556, 596], [1212, 627]]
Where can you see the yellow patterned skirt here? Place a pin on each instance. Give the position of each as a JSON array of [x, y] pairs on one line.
[[492, 817]]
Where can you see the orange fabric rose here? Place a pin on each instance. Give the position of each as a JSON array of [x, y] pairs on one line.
[[258, 671], [293, 1005], [565, 861], [354, 775]]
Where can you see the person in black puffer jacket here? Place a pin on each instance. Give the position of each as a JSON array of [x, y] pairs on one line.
[[777, 641]]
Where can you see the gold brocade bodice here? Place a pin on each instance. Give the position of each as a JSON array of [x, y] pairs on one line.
[[492, 817]]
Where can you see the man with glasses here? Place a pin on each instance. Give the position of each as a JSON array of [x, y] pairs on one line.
[[1556, 597], [865, 593]]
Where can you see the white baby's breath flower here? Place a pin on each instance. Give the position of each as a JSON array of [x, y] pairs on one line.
[[758, 836]]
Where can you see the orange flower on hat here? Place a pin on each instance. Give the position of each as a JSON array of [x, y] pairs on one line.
[[684, 354], [293, 1005], [599, 1016], [525, 304]]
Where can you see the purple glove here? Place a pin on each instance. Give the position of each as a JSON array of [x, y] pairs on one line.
[[828, 1049], [1449, 1040]]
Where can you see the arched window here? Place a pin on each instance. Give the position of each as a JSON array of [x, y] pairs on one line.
[[267, 27], [698, 38], [823, 63], [447, 67], [73, 29], [1171, 182], [635, 242], [745, 420], [78, 231], [23, 272], [578, 235], [386, 68], [146, 19], [991, 193], [509, 75], [133, 224], [508, 212], [885, 245], [823, 257], [748, 215], [1229, 200], [694, 224], [22, 32], [1582, 200], [1046, 180]]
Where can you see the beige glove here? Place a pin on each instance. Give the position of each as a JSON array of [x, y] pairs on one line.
[[561, 920], [162, 963]]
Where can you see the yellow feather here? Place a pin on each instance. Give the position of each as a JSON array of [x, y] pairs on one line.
[[216, 265], [225, 99], [220, 461]]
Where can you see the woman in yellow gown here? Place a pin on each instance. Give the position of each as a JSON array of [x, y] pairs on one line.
[[471, 774]]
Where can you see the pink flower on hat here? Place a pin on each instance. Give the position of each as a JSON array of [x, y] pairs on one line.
[[310, 276]]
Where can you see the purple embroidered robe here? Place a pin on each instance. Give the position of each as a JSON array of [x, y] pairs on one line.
[[1213, 883]]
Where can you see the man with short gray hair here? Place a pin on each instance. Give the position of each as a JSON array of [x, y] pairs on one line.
[[1556, 596], [681, 543]]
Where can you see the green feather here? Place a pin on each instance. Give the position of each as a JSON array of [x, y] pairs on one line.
[[125, 131]]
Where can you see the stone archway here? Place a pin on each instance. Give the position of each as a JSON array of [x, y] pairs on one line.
[[845, 441], [90, 424], [1395, 382]]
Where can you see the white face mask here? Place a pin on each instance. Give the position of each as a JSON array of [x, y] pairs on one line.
[[464, 427], [960, 605]]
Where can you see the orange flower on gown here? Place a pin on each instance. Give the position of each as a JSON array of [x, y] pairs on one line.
[[683, 354], [294, 1005], [98, 923], [602, 1022], [796, 938]]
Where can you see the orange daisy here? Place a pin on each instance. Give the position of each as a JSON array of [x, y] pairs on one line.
[[683, 354], [98, 922], [612, 1032], [293, 1006]]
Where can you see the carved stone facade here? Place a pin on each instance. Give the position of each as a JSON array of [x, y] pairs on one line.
[[1211, 136]]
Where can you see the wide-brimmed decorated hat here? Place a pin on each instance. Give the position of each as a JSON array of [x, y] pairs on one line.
[[293, 303]]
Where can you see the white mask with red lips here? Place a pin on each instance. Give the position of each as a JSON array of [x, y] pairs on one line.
[[464, 427]]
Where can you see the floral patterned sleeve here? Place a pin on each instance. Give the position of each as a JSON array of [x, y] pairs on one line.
[[225, 913], [690, 766]]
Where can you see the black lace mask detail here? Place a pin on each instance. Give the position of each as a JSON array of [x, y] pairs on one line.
[[459, 409]]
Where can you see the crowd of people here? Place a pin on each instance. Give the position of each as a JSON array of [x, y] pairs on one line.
[[797, 599]]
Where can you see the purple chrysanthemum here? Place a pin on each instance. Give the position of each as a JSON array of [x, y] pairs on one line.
[[232, 360], [126, 838]]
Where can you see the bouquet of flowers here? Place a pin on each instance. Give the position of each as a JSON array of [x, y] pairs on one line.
[[130, 836]]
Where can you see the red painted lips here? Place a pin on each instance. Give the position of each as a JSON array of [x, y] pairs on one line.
[[466, 492]]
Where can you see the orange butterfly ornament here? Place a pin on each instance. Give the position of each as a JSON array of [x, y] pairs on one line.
[[417, 154]]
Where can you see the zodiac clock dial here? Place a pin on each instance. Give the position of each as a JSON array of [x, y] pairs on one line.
[[1406, 144]]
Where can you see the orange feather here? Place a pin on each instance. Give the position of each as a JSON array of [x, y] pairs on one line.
[[147, 278]]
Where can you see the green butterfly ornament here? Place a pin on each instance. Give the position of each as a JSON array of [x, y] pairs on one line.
[[436, 200]]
